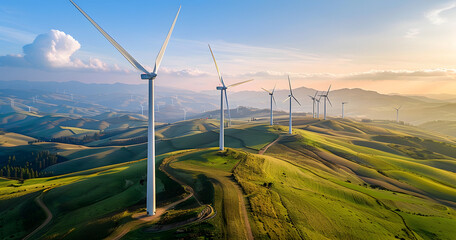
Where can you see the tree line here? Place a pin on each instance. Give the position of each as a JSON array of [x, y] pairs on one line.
[[26, 165]]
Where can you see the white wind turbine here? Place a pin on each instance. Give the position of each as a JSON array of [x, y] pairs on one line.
[[271, 93], [343, 104], [326, 99], [290, 96], [150, 76], [314, 99], [142, 108], [397, 113], [318, 106], [223, 90]]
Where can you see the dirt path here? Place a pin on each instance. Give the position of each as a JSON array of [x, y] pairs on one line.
[[142, 218], [206, 214], [49, 216], [233, 210], [244, 213], [261, 152]]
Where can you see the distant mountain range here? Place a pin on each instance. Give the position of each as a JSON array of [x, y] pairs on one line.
[[88, 100]]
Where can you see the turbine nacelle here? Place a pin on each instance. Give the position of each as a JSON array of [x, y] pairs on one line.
[[148, 76], [221, 88]]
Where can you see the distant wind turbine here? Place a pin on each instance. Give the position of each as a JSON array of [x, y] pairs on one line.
[[29, 109], [326, 99], [343, 103], [223, 90], [150, 76], [185, 113], [318, 106], [397, 113], [290, 96], [142, 108], [314, 99], [271, 93]]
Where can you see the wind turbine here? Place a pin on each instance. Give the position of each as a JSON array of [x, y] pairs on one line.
[[343, 103], [142, 108], [318, 107], [326, 99], [271, 93], [223, 90], [185, 113], [150, 76], [29, 109], [290, 96], [397, 113], [314, 98]]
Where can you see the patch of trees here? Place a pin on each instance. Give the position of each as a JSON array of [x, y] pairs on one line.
[[130, 141], [78, 141], [26, 165]]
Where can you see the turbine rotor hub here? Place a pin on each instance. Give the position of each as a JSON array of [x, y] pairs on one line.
[[148, 76]]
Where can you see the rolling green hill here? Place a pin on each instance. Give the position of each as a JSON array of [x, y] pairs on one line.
[[333, 179]]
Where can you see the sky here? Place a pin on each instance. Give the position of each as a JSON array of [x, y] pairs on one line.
[[389, 46]]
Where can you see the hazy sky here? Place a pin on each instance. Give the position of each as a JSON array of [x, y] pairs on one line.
[[388, 46]]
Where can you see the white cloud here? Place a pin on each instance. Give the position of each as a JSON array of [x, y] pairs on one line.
[[412, 33], [435, 15], [53, 50]]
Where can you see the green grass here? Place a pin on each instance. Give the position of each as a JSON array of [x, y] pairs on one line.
[[76, 130], [208, 174], [12, 226], [335, 179]]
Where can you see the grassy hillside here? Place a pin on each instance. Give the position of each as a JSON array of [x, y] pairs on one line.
[[442, 127], [334, 179]]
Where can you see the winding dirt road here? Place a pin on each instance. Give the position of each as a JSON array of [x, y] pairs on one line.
[[261, 152], [49, 216]]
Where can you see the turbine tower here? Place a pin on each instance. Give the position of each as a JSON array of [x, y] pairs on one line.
[[290, 96], [150, 76], [397, 113], [326, 99], [223, 90], [318, 106], [343, 103], [314, 99], [271, 93]]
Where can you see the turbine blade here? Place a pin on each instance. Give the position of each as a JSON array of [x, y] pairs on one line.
[[289, 83], [329, 101], [274, 88], [227, 106], [239, 83], [316, 94], [216, 66], [163, 48], [267, 91], [112, 41], [273, 98], [296, 100], [328, 90], [286, 99]]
